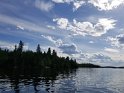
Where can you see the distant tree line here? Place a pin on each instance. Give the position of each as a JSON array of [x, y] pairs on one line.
[[23, 60], [88, 65]]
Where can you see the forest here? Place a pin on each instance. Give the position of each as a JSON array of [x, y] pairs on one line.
[[28, 60]]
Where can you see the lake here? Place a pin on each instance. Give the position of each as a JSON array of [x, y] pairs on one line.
[[81, 80]]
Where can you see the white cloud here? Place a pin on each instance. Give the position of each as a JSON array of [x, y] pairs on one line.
[[20, 27], [51, 27], [96, 58], [11, 46], [107, 23], [23, 24], [43, 6], [69, 49], [57, 42], [60, 1], [62, 22], [111, 50], [76, 3], [117, 41], [103, 26], [86, 28], [106, 4], [100, 4], [73, 51], [91, 42], [99, 58]]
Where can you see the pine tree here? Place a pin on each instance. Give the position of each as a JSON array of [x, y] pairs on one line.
[[15, 48], [38, 50], [49, 51], [20, 47], [54, 53]]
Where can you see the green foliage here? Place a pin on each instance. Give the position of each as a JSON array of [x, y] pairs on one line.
[[23, 60]]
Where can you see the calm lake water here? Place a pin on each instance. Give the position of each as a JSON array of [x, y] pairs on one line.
[[82, 80]]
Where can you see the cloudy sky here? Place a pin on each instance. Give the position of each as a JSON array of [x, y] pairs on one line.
[[86, 30]]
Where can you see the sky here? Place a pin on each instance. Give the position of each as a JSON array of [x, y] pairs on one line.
[[86, 30]]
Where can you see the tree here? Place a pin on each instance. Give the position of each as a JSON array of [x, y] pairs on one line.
[[38, 50], [49, 51], [23, 60], [20, 47], [67, 59], [15, 48], [54, 53]]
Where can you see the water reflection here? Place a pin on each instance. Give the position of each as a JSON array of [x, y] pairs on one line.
[[33, 81], [85, 80]]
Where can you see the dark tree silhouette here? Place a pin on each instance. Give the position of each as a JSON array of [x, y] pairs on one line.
[[54, 53], [38, 50], [49, 51], [15, 48], [23, 60], [20, 46], [29, 60]]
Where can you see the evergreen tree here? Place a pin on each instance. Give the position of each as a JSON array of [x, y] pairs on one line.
[[20, 47], [22, 60], [15, 48], [49, 51], [54, 53], [67, 58], [38, 50]]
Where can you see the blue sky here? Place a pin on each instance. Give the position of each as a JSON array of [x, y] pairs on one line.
[[86, 30]]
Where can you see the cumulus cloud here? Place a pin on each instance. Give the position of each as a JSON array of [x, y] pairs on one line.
[[106, 4], [111, 50], [43, 6], [72, 51], [103, 60], [96, 58], [86, 28], [64, 47], [99, 58], [76, 3], [69, 49], [117, 41], [57, 42], [62, 22], [106, 23], [100, 4], [106, 60]]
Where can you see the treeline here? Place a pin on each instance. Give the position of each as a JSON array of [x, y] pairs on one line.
[[88, 65], [23, 60]]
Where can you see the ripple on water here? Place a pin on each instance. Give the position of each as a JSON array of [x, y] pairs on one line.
[[81, 81], [94, 90]]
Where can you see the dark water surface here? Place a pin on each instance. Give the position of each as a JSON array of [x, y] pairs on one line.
[[82, 80]]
